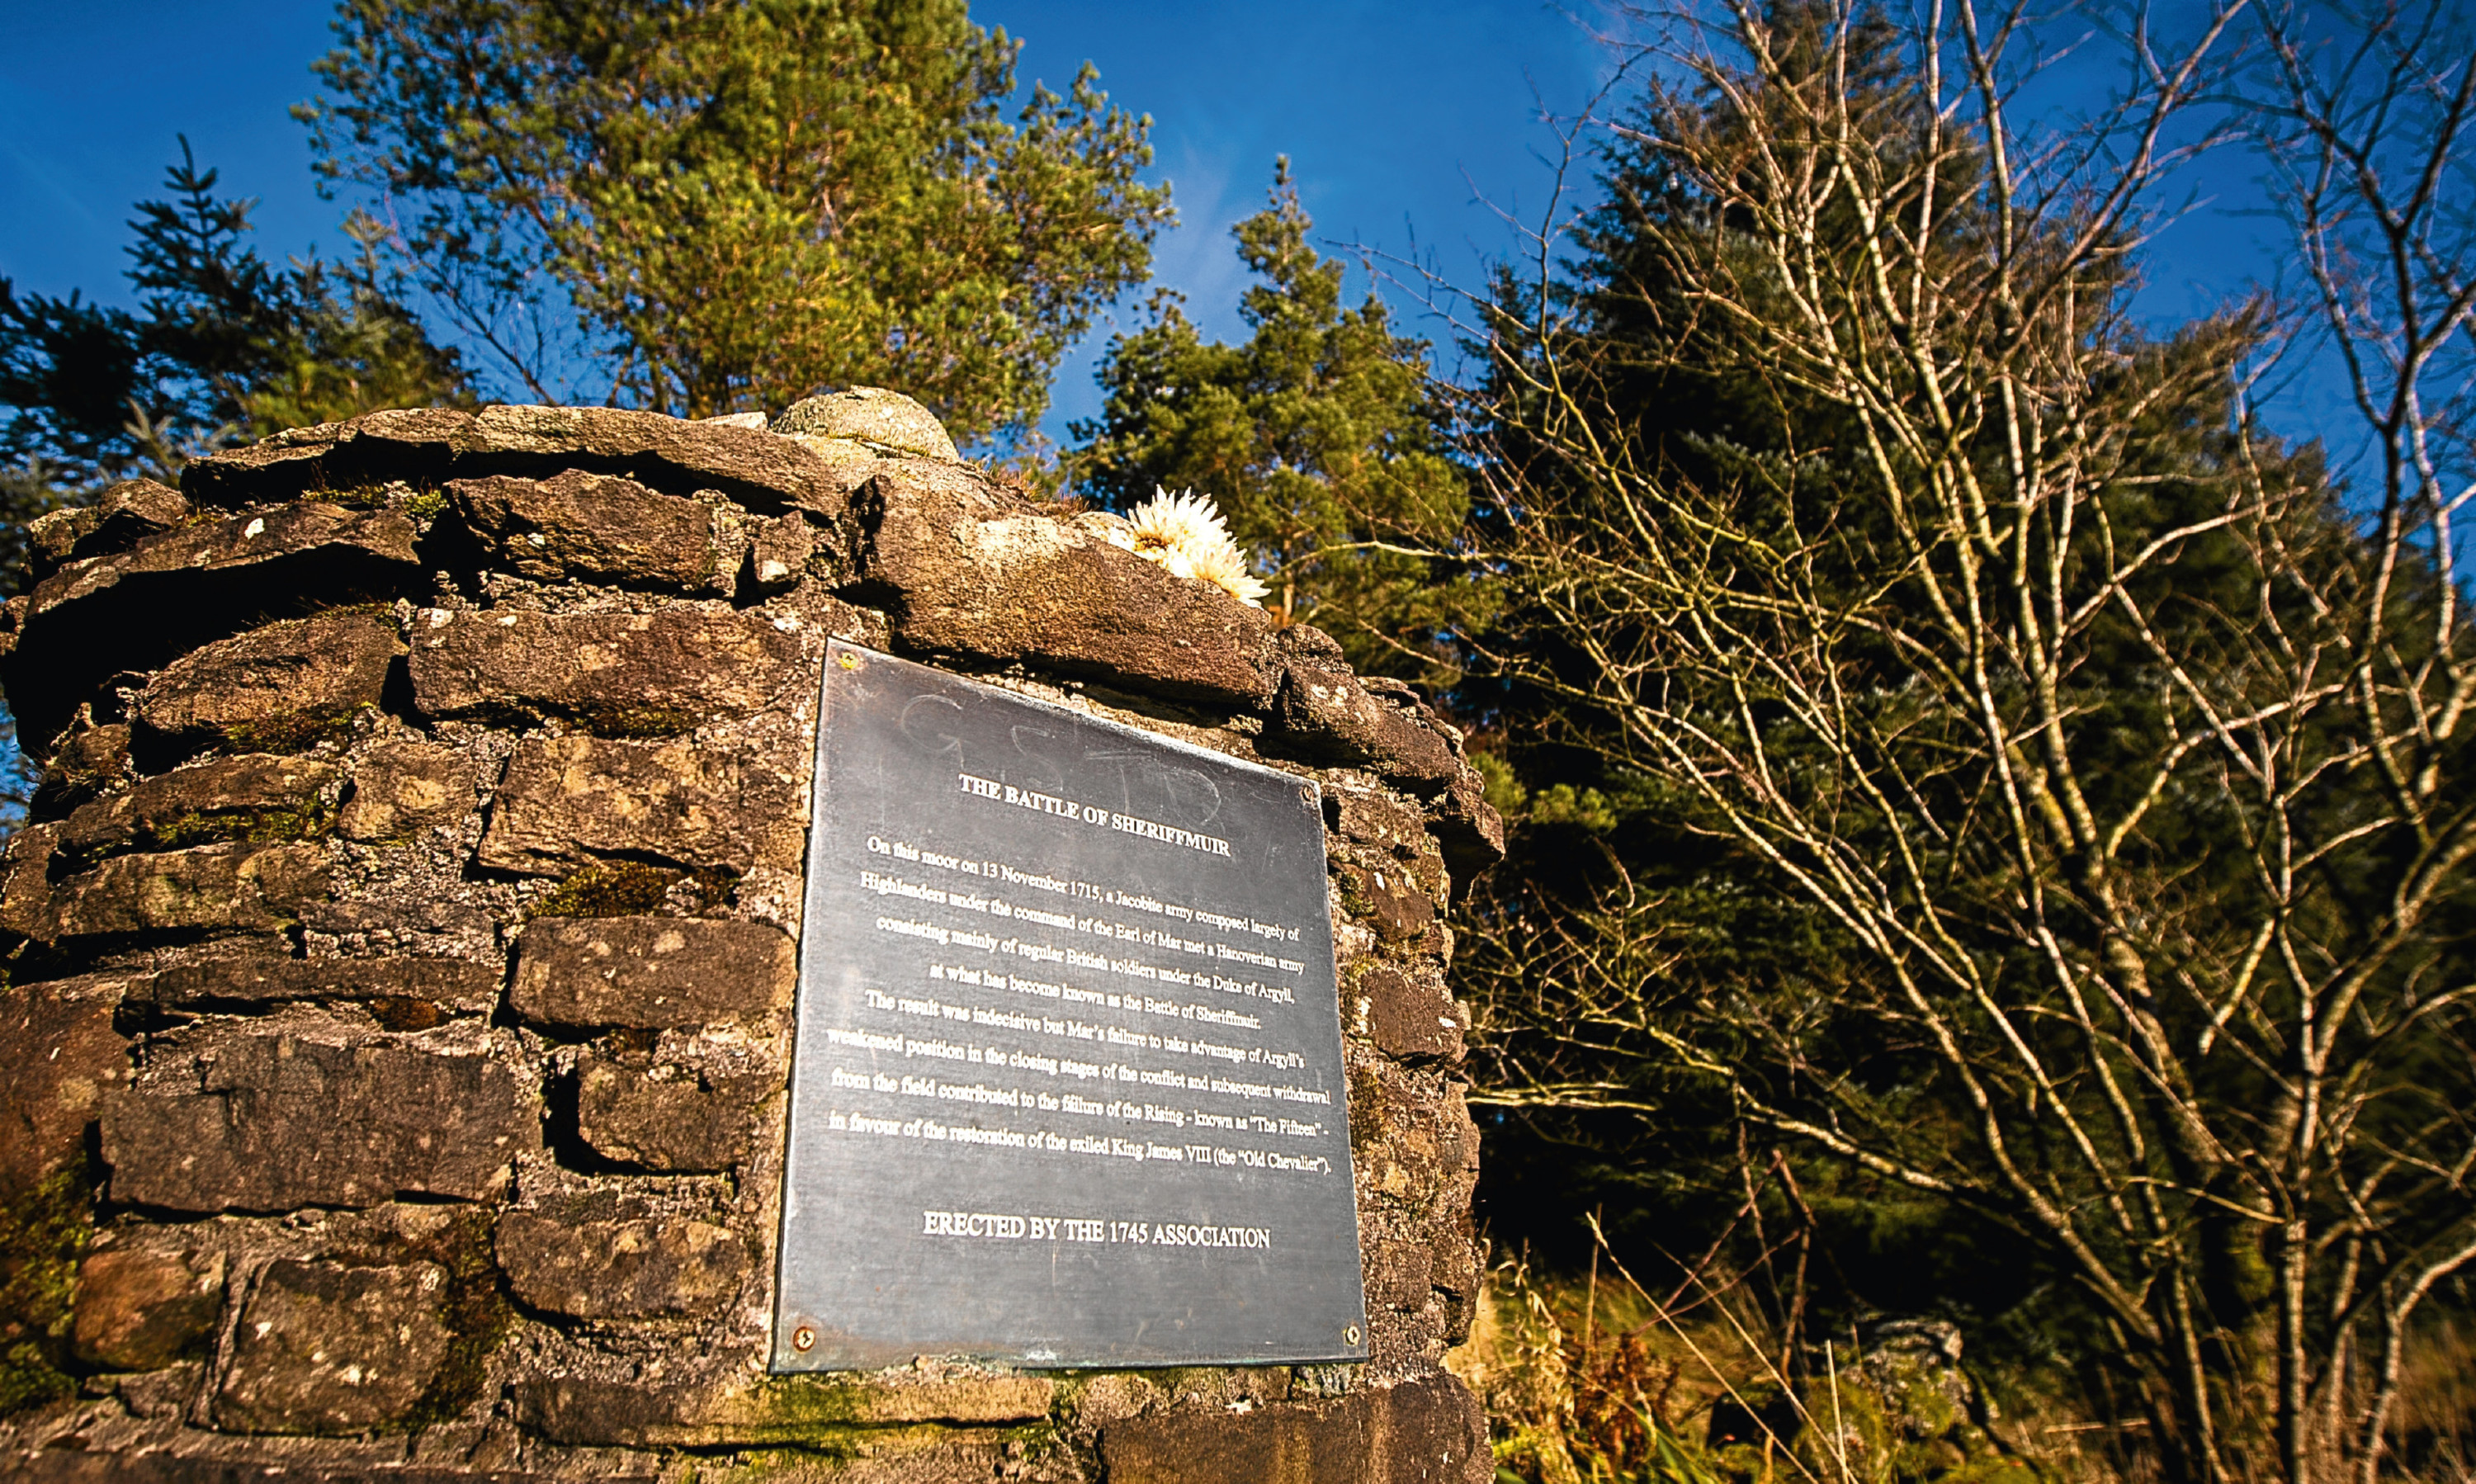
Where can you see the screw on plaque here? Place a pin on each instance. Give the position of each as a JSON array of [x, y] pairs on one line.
[[1349, 1334], [847, 660], [805, 1339], [1307, 793]]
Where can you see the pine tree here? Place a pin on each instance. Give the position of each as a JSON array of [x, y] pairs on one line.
[[222, 347], [1321, 439]]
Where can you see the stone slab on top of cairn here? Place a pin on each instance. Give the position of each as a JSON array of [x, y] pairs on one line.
[[401, 957]]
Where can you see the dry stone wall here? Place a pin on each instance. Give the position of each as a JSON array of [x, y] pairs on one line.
[[401, 958]]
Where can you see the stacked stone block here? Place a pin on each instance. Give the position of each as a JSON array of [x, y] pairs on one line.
[[401, 958]]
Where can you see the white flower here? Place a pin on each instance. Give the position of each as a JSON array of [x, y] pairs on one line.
[[1226, 568], [1186, 534], [1186, 520]]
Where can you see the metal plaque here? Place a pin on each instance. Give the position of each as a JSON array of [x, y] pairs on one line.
[[1068, 1085]]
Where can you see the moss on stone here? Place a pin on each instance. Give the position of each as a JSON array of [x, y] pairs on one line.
[[253, 826], [622, 888], [784, 1421], [639, 722], [475, 1312], [42, 1238], [832, 1444], [352, 497], [293, 731], [795, 1422], [711, 890], [627, 888], [806, 1401]]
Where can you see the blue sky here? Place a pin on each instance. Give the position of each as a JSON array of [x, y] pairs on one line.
[[1397, 119], [1409, 127]]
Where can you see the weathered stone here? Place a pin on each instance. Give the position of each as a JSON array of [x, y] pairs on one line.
[[1457, 1269], [1366, 817], [236, 887], [1305, 644], [52, 536], [453, 985], [133, 611], [1389, 898], [229, 557], [648, 1269], [650, 972], [665, 1118], [330, 1350], [1330, 715], [569, 800], [1399, 1276], [413, 446], [143, 1304], [750, 467], [209, 889], [405, 918], [278, 688], [278, 1084], [589, 527], [242, 1117], [129, 512], [968, 574], [757, 420], [735, 1409], [259, 796], [870, 416], [1408, 1015], [1409, 1145], [132, 510], [779, 556], [123, 515], [87, 759], [1428, 1432], [1405, 697], [25, 882], [620, 674], [64, 1059], [435, 444], [852, 461], [402, 788]]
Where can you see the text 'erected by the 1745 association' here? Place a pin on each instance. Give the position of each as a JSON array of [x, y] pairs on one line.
[[1067, 1012]]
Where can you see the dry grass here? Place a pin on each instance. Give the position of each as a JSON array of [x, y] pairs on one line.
[[1588, 1379], [1596, 1380], [2434, 1432]]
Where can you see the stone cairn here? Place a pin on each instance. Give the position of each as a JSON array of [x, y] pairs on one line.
[[401, 955]]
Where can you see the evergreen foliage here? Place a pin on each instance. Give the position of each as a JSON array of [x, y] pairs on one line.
[[743, 201], [1322, 440], [222, 347]]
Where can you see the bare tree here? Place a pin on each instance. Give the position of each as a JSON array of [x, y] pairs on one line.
[[2122, 747]]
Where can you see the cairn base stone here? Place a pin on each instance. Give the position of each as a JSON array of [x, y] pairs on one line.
[[402, 949]]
